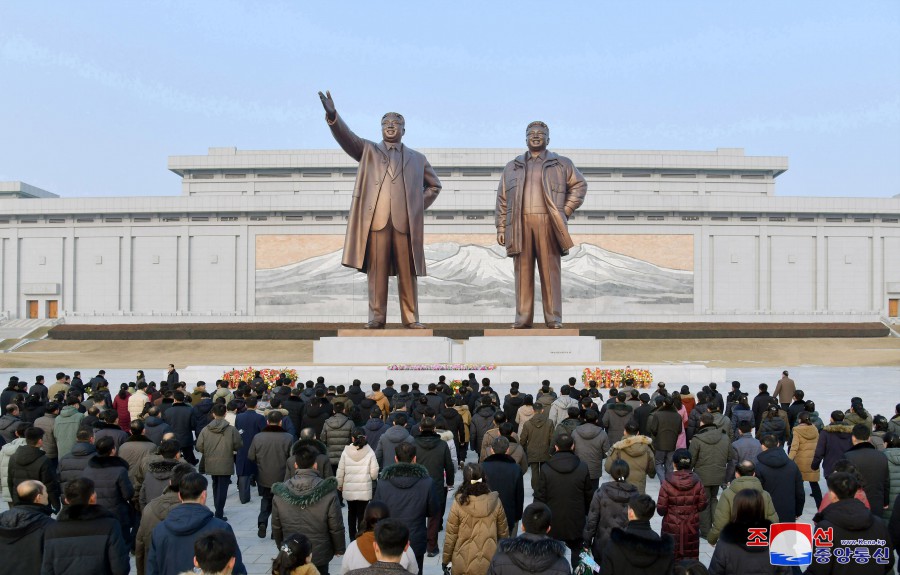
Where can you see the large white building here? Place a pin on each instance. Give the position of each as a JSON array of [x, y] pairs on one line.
[[256, 236]]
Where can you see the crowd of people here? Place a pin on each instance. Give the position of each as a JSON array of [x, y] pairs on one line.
[[93, 475]]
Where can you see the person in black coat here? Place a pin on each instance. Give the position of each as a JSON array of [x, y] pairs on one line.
[[406, 488], [872, 464], [532, 552], [781, 478], [642, 414], [565, 486], [505, 477], [796, 408], [154, 427], [30, 463], [112, 487], [433, 454], [183, 420], [22, 530], [760, 404], [85, 531], [512, 403], [849, 520], [316, 411], [294, 406], [72, 465], [172, 378], [638, 548], [834, 441]]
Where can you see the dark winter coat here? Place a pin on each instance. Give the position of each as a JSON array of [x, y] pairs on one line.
[[850, 520], [453, 422], [873, 467], [401, 400], [638, 550], [759, 406], [308, 504], [315, 413], [591, 445], [564, 484], [694, 420], [739, 414], [387, 445], [22, 538], [202, 411], [482, 420], [374, 429], [248, 425], [642, 417], [294, 407], [711, 453], [155, 428], [72, 465], [152, 515], [529, 554], [614, 420], [218, 442], [270, 451], [609, 509], [781, 478], [433, 454], [504, 476], [681, 498], [511, 405], [336, 436], [114, 489], [537, 438], [133, 451], [406, 488], [665, 426], [157, 475], [89, 533], [172, 543], [732, 556], [834, 441], [8, 425], [323, 464], [31, 463], [773, 425], [183, 420], [110, 430], [893, 457]]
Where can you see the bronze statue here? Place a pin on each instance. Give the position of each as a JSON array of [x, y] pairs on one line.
[[537, 195], [394, 186]]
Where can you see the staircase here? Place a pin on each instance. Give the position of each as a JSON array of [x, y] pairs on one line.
[[19, 328]]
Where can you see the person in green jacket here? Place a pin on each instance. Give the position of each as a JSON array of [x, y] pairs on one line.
[[745, 478], [66, 425]]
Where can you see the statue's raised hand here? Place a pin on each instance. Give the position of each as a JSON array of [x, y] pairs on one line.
[[328, 104]]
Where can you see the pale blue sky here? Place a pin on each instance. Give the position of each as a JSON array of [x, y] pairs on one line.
[[94, 96]]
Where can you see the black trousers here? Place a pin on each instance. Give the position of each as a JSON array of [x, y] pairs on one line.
[[356, 510]]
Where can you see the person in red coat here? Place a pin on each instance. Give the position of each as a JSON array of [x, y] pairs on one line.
[[120, 404], [681, 498]]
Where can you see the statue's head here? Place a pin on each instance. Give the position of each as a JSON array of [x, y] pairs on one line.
[[393, 126], [537, 136]]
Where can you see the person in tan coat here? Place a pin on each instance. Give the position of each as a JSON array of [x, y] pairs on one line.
[[803, 449], [637, 451], [784, 390], [476, 523], [380, 400]]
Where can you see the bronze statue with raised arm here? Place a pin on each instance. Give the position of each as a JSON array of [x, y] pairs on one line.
[[385, 231], [538, 193]]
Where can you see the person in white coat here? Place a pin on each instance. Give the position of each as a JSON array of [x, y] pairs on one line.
[[361, 553], [356, 471], [137, 401]]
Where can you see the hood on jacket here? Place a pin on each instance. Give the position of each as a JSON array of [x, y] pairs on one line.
[[621, 409], [633, 445], [217, 425], [159, 508], [404, 475], [683, 479], [161, 469], [739, 534], [485, 412], [619, 491], [305, 488], [98, 462], [641, 551], [311, 443], [483, 505], [82, 449], [188, 518], [808, 432], [775, 458], [316, 409], [428, 440], [587, 431], [710, 435], [540, 419], [336, 421], [563, 462], [748, 482], [374, 424], [532, 553], [357, 455], [838, 428], [396, 434], [22, 520], [26, 455]]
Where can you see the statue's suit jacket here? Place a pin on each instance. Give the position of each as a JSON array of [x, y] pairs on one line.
[[422, 188]]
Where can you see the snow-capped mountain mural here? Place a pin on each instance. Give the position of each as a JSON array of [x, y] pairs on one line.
[[468, 282]]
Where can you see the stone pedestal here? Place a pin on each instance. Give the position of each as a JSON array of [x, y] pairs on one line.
[[383, 349], [362, 332], [529, 349], [540, 331]]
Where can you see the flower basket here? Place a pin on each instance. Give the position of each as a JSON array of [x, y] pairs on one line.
[[268, 374], [606, 378]]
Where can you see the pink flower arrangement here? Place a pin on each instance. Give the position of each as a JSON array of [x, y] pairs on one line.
[[269, 375], [616, 377], [441, 367]]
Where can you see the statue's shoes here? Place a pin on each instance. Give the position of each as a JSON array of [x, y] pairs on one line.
[[374, 325], [520, 326], [415, 325], [554, 325]]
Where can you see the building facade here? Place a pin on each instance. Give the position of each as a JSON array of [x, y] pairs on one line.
[[257, 236]]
